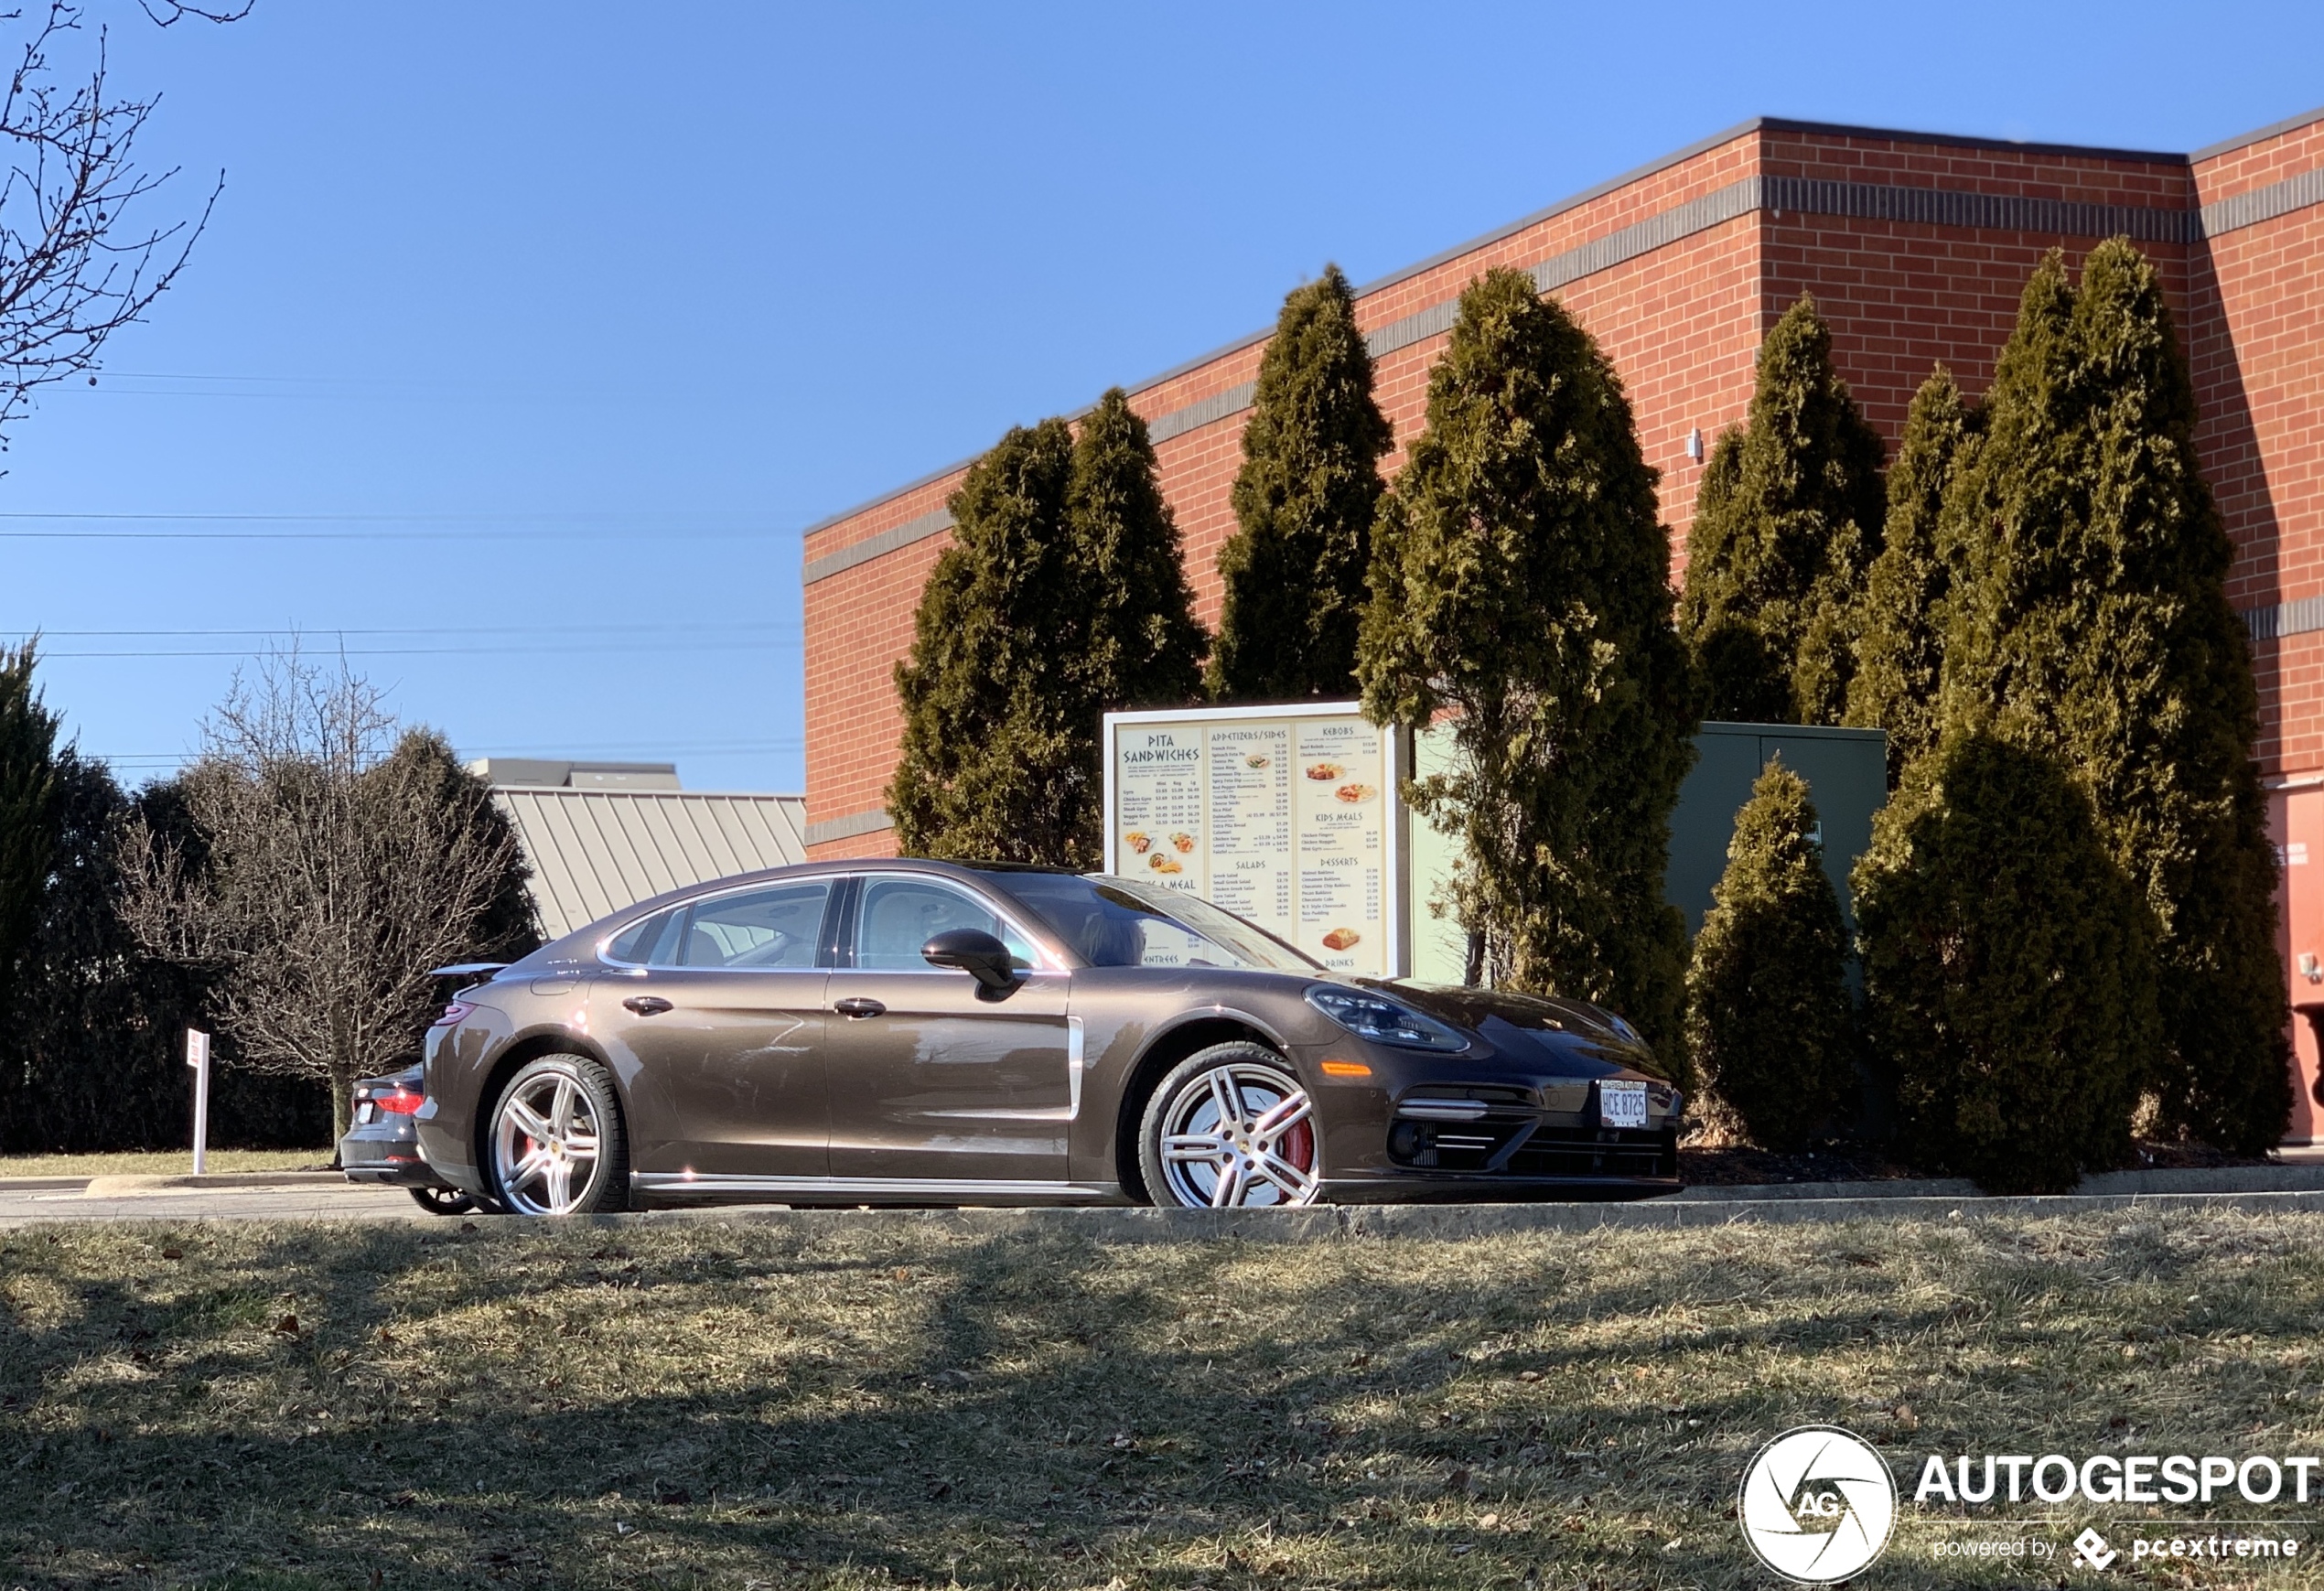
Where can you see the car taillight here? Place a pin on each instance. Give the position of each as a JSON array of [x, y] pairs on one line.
[[454, 1014], [401, 1102]]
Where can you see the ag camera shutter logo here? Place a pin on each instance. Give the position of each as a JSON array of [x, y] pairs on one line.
[[1817, 1504]]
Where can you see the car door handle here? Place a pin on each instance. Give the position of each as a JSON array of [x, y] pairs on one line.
[[858, 1005], [647, 1004]]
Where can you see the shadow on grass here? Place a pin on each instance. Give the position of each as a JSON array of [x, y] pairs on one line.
[[728, 1404]]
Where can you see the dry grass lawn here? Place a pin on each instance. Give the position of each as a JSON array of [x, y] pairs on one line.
[[909, 1404]]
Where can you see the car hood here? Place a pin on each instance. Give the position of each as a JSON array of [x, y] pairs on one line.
[[1573, 1034]]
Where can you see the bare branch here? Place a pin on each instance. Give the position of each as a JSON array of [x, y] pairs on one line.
[[167, 13], [76, 262]]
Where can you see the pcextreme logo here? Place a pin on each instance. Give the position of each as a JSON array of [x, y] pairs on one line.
[[1817, 1504]]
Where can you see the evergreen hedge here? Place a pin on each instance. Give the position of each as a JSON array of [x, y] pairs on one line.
[[1303, 501], [93, 1057], [1787, 522], [29, 805], [1902, 639], [1769, 1025], [2090, 620], [1520, 579], [2007, 970]]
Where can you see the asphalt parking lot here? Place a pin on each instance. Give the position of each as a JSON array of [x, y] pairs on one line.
[[318, 1197]]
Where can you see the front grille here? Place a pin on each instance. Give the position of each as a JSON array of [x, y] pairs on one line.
[[1524, 1146], [1595, 1152]]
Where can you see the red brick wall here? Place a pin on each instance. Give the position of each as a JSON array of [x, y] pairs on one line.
[[1901, 298], [2258, 352], [1682, 324]]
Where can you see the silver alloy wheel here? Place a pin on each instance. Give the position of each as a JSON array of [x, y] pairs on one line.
[[545, 1143], [1241, 1134]]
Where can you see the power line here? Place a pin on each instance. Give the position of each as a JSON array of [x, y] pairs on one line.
[[321, 633], [559, 749], [670, 525], [582, 649], [390, 387]]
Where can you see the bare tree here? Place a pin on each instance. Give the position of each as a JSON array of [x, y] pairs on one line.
[[76, 260], [334, 865]]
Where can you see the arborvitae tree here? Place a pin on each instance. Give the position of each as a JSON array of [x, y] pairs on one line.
[[1900, 649], [2007, 970], [995, 764], [1768, 1022], [1140, 645], [2091, 619], [1304, 503], [1520, 579], [29, 815], [1062, 596], [1784, 533]]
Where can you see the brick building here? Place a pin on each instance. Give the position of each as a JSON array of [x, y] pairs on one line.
[[1915, 245]]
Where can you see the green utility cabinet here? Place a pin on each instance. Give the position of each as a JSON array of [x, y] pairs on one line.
[[1847, 778], [1846, 771]]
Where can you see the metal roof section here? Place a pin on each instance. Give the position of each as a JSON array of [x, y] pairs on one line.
[[594, 851]]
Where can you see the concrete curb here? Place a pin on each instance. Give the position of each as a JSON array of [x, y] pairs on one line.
[[129, 1186], [2173, 1179]]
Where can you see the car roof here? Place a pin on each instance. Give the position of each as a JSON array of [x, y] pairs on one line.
[[967, 872]]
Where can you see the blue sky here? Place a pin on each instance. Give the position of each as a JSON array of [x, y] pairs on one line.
[[547, 328]]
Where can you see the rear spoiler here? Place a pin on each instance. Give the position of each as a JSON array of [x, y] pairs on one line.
[[468, 969]]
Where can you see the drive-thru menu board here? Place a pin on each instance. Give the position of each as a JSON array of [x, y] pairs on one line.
[[1283, 815]]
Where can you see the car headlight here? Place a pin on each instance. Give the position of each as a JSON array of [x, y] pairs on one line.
[[1384, 1021]]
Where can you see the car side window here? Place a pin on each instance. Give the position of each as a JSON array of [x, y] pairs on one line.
[[897, 916], [645, 943], [772, 927]]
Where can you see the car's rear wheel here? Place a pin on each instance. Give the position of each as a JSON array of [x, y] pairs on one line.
[[443, 1200], [557, 1143], [1231, 1127]]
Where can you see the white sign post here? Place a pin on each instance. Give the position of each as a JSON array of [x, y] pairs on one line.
[[197, 1057]]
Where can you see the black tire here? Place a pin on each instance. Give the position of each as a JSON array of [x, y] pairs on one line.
[[1269, 1168], [541, 1088], [442, 1201]]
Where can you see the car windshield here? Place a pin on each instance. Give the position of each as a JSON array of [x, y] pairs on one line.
[[1121, 922]]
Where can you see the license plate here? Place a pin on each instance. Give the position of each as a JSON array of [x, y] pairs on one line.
[[1621, 1105]]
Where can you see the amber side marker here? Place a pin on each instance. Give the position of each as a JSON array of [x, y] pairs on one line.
[[1345, 1069]]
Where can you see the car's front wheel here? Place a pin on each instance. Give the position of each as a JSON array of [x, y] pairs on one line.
[[1231, 1127], [557, 1143]]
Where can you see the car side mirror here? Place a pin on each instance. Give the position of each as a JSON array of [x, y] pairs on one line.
[[975, 952]]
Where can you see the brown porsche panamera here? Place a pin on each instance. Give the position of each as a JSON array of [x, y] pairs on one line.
[[923, 1033]]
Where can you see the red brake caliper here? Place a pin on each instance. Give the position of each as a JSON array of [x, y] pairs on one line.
[[1299, 1145]]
